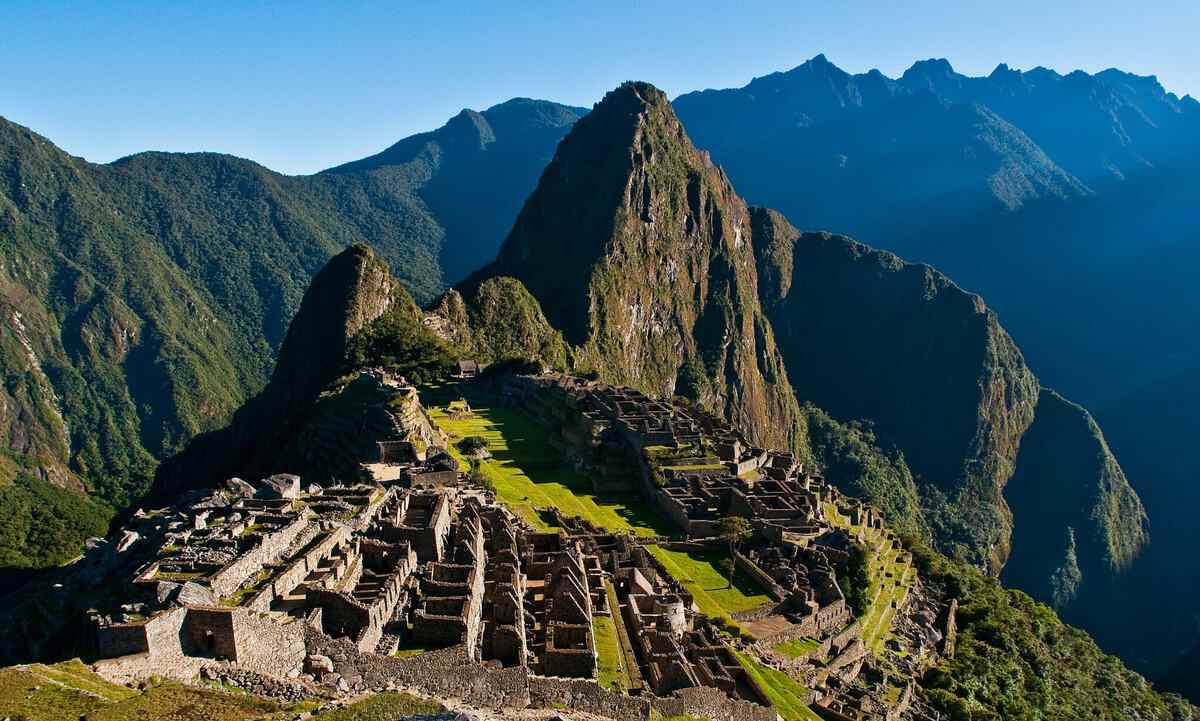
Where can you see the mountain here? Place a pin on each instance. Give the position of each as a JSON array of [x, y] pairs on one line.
[[143, 300], [1068, 491], [280, 429], [1066, 200], [486, 162], [639, 251], [999, 464], [1059, 182]]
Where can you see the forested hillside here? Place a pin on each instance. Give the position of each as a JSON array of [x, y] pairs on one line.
[[142, 301]]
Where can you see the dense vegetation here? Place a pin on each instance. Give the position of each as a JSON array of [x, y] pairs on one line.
[[499, 320], [1016, 661], [44, 525], [851, 460]]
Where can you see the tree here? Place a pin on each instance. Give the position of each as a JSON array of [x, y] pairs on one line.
[[734, 529]]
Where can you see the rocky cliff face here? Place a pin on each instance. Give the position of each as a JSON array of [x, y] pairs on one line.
[[354, 289], [640, 252], [1069, 495]]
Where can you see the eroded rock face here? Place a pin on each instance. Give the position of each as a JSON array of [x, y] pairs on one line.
[[639, 250]]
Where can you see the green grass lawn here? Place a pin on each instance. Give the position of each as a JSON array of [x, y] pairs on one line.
[[530, 475], [70, 690], [797, 647], [698, 572], [383, 707], [608, 648], [785, 692]]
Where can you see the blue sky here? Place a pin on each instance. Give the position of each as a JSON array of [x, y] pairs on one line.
[[300, 86]]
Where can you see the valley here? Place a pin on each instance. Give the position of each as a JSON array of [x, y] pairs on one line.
[[495, 412]]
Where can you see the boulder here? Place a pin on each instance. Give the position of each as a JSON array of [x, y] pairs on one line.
[[280, 485], [317, 664], [193, 594], [166, 591], [128, 538], [238, 487]]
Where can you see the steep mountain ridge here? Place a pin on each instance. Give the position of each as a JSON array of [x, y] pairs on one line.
[[639, 251], [999, 463]]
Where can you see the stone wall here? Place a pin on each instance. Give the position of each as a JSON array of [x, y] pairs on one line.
[[121, 639], [272, 546], [210, 632], [751, 569], [266, 645], [712, 703], [587, 697]]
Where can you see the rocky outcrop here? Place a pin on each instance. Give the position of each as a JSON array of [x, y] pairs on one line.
[[639, 251]]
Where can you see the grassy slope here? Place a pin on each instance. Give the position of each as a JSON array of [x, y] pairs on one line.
[[890, 581], [698, 572], [785, 692], [611, 673], [530, 475]]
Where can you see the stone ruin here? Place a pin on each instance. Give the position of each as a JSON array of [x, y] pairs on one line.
[[267, 578]]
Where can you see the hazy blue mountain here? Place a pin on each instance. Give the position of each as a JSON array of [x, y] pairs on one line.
[[1069, 202]]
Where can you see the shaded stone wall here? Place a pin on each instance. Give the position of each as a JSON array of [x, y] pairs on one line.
[[210, 632], [273, 545], [712, 703], [267, 646], [121, 639]]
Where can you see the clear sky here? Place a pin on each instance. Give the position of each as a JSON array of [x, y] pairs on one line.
[[300, 86]]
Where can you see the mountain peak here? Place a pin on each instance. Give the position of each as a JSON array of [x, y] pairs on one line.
[[639, 251], [930, 68]]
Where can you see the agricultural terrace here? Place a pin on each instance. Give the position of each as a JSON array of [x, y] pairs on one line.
[[699, 572], [785, 692], [530, 475], [890, 579]]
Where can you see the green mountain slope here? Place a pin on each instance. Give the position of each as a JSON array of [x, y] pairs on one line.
[[639, 251], [1067, 478], [142, 301]]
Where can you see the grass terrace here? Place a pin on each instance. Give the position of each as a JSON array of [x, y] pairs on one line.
[[785, 692], [387, 706], [529, 474], [890, 580], [797, 647], [70, 690], [698, 572], [611, 673]]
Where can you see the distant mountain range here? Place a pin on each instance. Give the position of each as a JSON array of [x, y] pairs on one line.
[[145, 300], [1069, 202]]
